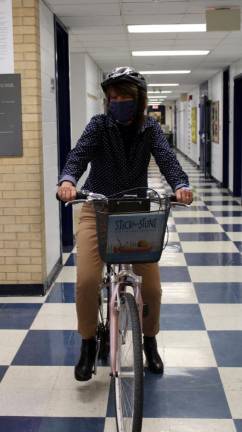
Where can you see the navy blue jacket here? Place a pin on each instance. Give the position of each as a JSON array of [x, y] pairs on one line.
[[112, 170]]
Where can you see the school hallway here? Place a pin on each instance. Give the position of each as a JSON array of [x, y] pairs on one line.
[[200, 337]]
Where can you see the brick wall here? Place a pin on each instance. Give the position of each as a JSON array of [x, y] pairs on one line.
[[22, 248]]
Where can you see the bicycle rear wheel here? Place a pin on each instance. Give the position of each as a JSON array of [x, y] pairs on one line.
[[129, 379]]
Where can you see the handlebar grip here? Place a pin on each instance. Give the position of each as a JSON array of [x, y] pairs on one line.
[[79, 195], [173, 198]]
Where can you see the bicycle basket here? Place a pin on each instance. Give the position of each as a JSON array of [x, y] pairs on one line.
[[131, 236]]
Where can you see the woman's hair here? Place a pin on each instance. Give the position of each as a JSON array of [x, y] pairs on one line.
[[130, 89]]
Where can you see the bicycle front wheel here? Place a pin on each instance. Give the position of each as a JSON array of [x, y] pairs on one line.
[[129, 379]]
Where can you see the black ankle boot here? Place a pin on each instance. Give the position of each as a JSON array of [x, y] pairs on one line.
[[154, 362], [84, 368]]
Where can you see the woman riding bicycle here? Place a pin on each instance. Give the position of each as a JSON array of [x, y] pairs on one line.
[[118, 145]]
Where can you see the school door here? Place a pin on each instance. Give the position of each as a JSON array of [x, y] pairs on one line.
[[205, 136], [237, 180], [63, 125]]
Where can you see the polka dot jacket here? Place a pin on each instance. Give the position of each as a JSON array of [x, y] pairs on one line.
[[111, 170]]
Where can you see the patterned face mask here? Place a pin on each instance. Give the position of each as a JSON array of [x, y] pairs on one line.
[[123, 111]]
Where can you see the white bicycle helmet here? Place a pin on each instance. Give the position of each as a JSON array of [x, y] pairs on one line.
[[124, 74]]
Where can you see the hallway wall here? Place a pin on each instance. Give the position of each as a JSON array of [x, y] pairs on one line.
[[235, 70], [22, 251], [49, 136], [86, 95]]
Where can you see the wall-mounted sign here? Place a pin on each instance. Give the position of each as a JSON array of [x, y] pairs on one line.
[[6, 37], [10, 115], [194, 125]]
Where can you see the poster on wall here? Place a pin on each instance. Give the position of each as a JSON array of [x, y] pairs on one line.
[[215, 122], [194, 125], [6, 37]]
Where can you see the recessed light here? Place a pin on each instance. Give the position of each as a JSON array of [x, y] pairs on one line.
[[167, 28], [171, 53], [174, 72]]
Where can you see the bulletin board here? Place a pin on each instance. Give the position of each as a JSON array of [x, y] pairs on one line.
[[215, 122], [194, 125]]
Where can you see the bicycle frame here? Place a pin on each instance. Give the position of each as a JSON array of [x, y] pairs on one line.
[[117, 281]]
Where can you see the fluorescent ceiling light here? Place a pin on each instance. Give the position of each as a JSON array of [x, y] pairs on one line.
[[157, 98], [157, 92], [163, 85], [174, 72], [171, 53], [167, 28]]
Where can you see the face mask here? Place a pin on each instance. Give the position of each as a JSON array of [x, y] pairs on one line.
[[123, 111]]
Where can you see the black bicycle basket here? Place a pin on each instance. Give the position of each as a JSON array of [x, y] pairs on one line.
[[131, 230]]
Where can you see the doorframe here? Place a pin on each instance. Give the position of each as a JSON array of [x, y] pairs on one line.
[[226, 124], [237, 159], [63, 124]]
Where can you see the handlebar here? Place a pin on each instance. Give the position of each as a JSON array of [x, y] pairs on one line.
[[87, 196]]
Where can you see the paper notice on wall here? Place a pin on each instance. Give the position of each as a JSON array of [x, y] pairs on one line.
[[6, 37]]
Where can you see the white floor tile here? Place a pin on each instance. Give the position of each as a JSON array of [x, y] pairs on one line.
[[232, 383], [215, 274], [234, 236], [234, 398], [172, 259], [25, 390], [214, 207], [23, 299], [186, 425], [212, 189], [178, 292], [172, 237], [56, 316], [10, 341], [231, 378], [208, 246], [70, 398], [67, 274], [229, 219], [191, 213], [187, 349], [222, 316], [199, 228], [219, 198], [197, 203], [65, 257]]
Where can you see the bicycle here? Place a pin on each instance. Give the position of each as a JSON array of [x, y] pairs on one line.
[[131, 228]]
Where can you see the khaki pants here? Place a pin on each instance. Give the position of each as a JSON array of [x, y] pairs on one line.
[[89, 275]]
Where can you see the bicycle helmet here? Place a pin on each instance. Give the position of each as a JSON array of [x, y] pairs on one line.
[[124, 74]]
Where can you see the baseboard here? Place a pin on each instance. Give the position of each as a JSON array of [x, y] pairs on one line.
[[32, 289]]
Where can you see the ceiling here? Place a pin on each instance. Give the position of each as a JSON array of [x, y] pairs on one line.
[[99, 28]]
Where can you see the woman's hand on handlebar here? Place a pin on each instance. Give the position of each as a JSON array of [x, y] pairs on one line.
[[66, 191], [184, 195]]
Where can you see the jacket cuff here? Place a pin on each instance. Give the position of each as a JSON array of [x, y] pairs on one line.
[[67, 178], [182, 185]]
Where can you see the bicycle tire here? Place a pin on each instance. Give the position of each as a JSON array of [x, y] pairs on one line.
[[133, 384]]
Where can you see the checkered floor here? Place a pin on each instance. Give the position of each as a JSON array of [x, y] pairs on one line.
[[200, 337]]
